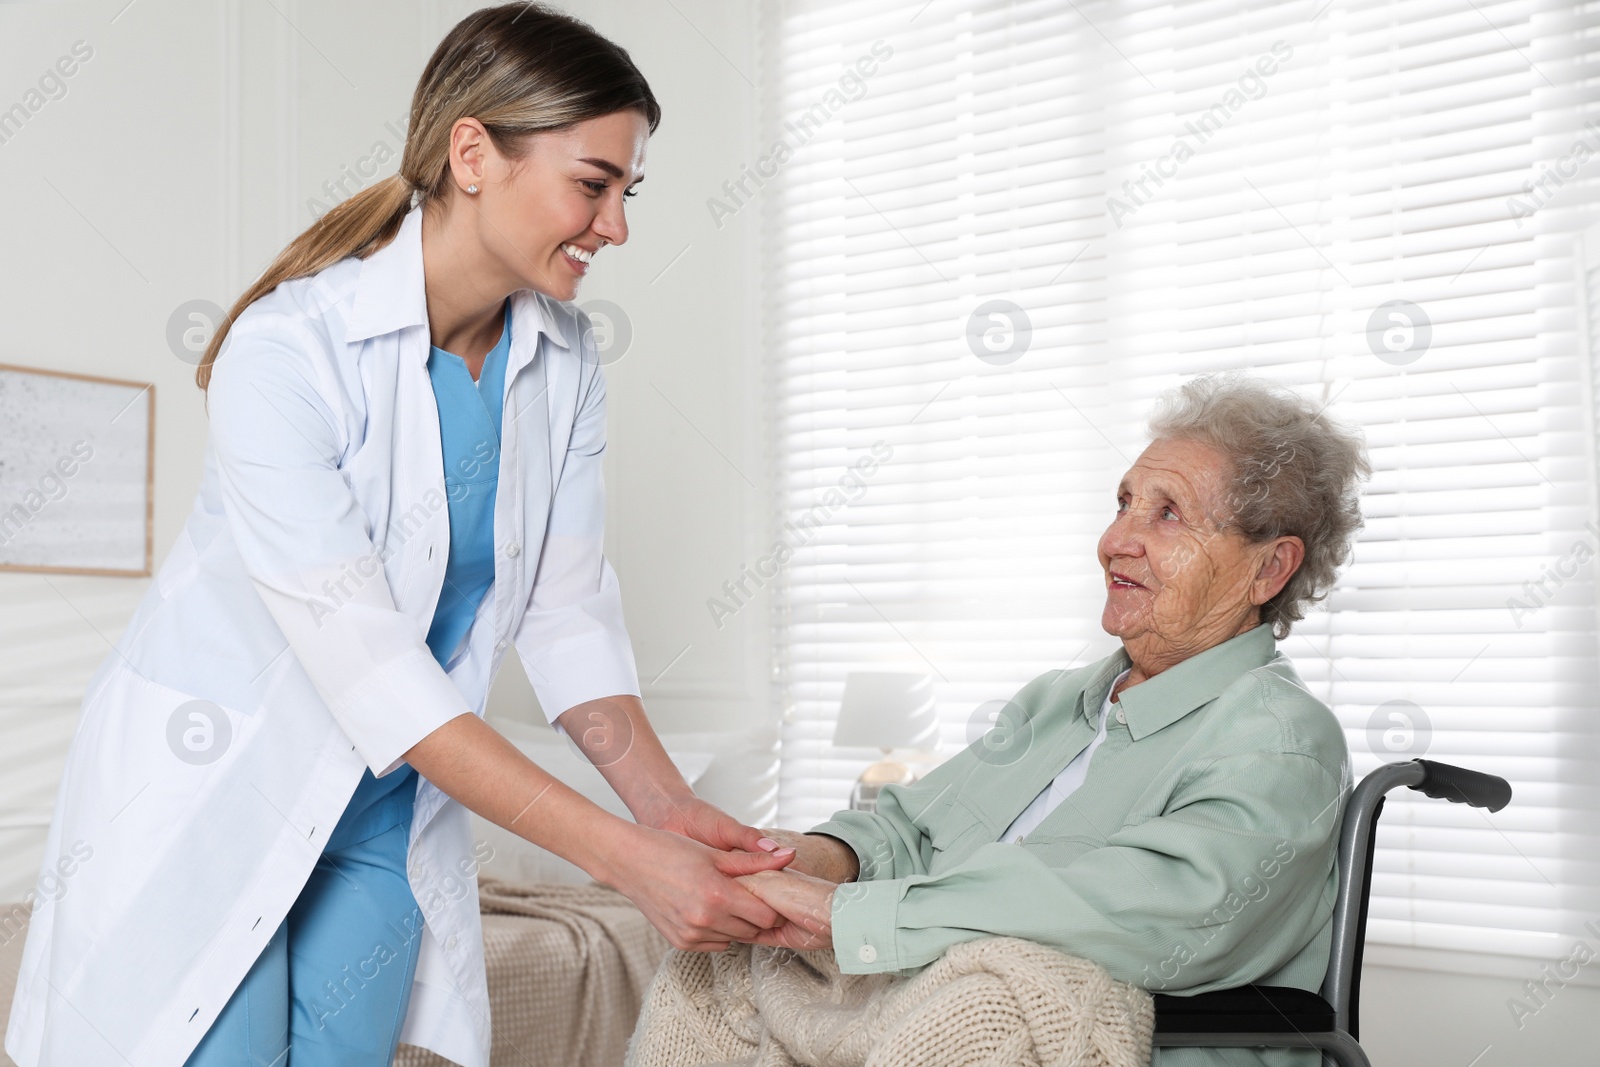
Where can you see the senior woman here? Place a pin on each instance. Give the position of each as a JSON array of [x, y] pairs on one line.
[[1171, 811]]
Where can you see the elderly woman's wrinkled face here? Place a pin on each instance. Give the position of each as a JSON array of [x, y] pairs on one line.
[[1173, 581]]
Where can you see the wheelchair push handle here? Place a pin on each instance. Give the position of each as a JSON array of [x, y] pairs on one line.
[[1462, 786]]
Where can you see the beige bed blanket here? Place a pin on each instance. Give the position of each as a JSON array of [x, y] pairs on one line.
[[568, 966], [993, 1001]]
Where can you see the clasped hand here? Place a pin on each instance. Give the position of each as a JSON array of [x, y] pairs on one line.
[[805, 903], [802, 900], [713, 881]]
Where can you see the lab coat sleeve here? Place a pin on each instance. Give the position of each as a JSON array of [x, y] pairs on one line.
[[572, 640], [305, 544], [1225, 886]]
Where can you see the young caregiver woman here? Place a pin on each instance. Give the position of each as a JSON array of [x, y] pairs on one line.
[[265, 806]]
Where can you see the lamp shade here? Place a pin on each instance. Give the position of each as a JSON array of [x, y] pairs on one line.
[[887, 709]]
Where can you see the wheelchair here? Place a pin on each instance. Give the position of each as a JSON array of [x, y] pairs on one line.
[[1256, 1016]]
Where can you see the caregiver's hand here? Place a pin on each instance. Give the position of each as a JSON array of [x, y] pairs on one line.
[[682, 888], [806, 904], [616, 736], [702, 821]]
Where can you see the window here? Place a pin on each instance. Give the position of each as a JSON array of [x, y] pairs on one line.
[[997, 232]]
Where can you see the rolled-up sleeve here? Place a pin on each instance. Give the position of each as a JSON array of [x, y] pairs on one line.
[[1229, 883], [304, 542], [572, 639]]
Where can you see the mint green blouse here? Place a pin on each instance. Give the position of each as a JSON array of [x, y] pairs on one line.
[[1198, 854]]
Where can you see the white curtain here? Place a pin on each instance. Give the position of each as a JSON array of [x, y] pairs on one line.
[[996, 232]]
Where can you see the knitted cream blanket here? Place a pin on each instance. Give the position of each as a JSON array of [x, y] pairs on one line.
[[992, 1001]]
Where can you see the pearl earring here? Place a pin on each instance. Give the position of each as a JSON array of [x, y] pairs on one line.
[[472, 188]]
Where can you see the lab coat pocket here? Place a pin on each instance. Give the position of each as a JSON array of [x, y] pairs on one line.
[[142, 767], [156, 749]]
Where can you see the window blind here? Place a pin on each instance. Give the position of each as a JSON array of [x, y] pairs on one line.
[[996, 232]]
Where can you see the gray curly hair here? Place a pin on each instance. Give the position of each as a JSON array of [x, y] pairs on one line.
[[1296, 471]]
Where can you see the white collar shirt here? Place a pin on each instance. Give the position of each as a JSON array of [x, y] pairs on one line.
[[1064, 784]]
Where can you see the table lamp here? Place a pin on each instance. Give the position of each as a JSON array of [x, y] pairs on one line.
[[885, 710]]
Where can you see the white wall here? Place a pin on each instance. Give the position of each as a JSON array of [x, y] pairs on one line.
[[183, 156], [1415, 1018]]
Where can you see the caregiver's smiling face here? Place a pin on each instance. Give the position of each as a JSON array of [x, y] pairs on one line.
[[1175, 584], [546, 215]]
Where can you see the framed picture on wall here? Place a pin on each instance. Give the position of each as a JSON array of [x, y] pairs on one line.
[[77, 472]]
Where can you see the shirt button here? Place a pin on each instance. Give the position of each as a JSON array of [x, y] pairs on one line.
[[867, 953], [513, 548], [450, 943], [1018, 840], [1122, 717]]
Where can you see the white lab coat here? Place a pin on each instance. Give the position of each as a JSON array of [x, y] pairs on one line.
[[296, 600]]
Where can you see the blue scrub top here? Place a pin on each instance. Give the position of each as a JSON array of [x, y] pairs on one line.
[[469, 431]]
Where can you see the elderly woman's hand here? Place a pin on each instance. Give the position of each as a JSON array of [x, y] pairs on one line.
[[818, 854], [806, 904]]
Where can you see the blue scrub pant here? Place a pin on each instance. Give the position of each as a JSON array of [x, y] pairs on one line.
[[335, 978]]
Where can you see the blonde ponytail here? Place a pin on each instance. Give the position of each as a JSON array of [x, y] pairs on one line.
[[357, 226], [519, 69]]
